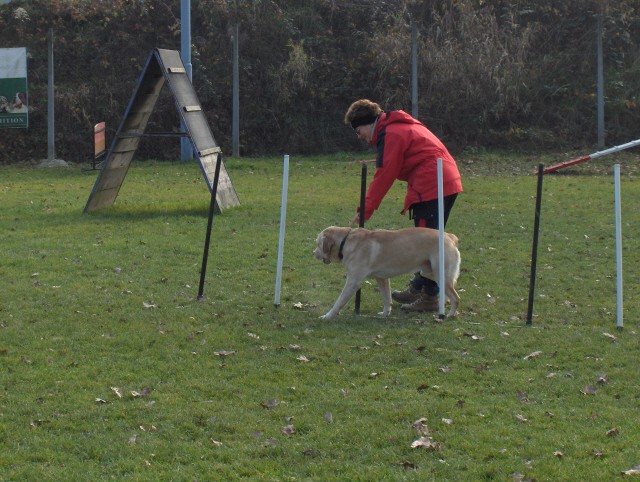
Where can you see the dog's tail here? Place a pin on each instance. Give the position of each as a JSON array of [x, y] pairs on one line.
[[454, 239]]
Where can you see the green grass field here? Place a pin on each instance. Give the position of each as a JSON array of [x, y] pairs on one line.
[[110, 368]]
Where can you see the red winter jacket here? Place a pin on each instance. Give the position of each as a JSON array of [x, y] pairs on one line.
[[408, 151]]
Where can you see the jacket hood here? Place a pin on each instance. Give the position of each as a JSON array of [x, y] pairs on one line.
[[392, 117]]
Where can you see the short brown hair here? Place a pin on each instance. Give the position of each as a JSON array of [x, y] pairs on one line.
[[360, 110]]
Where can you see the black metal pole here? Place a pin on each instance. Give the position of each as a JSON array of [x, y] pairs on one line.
[[534, 251], [363, 195], [212, 206]]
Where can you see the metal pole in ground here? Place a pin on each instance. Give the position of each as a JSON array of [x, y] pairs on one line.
[[283, 222], [616, 179], [186, 149], [51, 131], [212, 206], [363, 195], [442, 296], [534, 251]]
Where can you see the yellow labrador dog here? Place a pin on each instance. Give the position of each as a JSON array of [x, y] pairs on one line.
[[383, 254]]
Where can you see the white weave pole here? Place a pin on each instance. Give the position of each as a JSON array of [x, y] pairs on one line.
[[283, 222], [616, 182], [442, 297]]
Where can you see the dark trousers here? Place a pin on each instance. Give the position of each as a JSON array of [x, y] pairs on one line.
[[425, 215]]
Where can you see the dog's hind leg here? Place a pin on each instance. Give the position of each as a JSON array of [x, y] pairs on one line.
[[384, 287], [452, 296], [350, 288], [452, 273]]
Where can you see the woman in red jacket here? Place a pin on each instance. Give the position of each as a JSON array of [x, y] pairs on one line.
[[406, 150]]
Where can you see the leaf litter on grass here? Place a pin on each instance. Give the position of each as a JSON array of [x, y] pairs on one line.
[[472, 382]]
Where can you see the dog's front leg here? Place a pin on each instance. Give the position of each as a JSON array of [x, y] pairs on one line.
[[350, 287], [384, 287]]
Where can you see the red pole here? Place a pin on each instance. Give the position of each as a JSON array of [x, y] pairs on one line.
[[566, 164], [606, 152]]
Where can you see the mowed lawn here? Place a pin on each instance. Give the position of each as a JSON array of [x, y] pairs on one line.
[[110, 368]]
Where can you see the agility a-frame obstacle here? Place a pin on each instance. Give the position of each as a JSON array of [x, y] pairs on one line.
[[162, 66]]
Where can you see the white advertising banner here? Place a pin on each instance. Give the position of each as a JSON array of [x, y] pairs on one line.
[[13, 88]]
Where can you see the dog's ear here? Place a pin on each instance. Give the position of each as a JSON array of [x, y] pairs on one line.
[[327, 244]]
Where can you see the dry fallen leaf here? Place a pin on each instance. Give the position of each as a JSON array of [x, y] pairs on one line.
[[421, 427], [38, 422], [635, 470], [224, 353], [533, 355], [215, 443], [293, 347], [288, 430], [100, 400], [132, 439], [558, 454], [597, 453], [613, 432], [589, 390], [610, 336], [270, 403], [144, 393], [328, 417], [149, 305], [303, 359], [425, 442], [117, 391], [447, 421], [298, 305], [521, 418], [603, 379]]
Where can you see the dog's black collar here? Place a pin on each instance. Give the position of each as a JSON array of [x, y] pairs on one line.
[[342, 245]]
